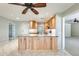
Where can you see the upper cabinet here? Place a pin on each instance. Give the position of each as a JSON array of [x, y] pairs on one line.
[[46, 25], [51, 23], [33, 24]]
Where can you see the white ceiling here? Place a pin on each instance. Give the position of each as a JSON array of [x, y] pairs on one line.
[[13, 12]]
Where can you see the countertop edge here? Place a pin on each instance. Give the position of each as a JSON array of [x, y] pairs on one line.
[[36, 36]]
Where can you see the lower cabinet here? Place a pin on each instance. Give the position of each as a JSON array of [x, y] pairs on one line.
[[37, 43]]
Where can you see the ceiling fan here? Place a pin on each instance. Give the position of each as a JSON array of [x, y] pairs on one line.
[[30, 6], [75, 20]]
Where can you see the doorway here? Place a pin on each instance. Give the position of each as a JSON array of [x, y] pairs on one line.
[[11, 31], [72, 35]]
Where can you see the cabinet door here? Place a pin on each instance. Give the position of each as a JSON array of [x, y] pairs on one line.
[[54, 43], [53, 23], [33, 24], [35, 43], [21, 43], [46, 27], [41, 43], [47, 43]]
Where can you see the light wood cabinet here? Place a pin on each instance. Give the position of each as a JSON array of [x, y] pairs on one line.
[[54, 43], [33, 24], [37, 43], [21, 43], [51, 23], [46, 26]]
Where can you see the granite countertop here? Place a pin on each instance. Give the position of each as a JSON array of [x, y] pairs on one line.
[[38, 35]]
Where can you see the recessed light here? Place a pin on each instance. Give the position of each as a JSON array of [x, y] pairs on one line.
[[42, 18], [17, 18]]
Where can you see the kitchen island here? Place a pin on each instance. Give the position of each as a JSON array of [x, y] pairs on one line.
[[41, 42]]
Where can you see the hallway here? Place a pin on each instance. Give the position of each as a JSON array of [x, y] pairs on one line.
[[72, 45]]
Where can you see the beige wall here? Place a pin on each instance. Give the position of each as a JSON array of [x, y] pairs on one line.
[[22, 28], [71, 10], [75, 29], [58, 31], [4, 29]]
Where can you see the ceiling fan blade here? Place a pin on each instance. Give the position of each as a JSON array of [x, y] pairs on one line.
[[17, 4], [34, 11], [37, 5], [25, 10]]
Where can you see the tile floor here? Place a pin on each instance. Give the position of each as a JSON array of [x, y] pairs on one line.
[[72, 45], [9, 48], [44, 53]]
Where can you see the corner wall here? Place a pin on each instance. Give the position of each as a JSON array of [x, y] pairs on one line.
[[59, 31], [4, 29]]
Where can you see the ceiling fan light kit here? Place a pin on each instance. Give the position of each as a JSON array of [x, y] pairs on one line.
[[75, 20], [30, 6]]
